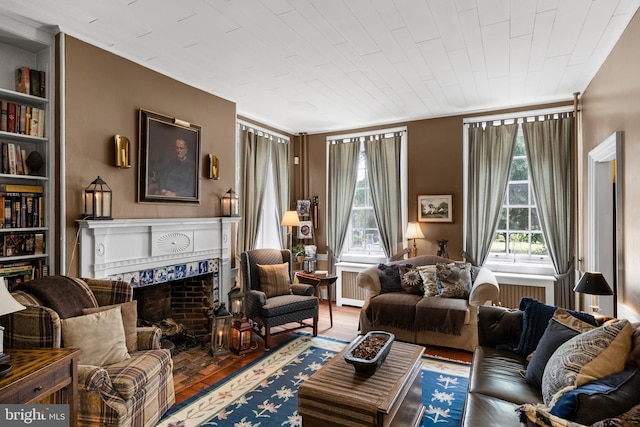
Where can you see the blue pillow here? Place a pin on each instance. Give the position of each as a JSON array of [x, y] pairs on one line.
[[603, 398], [535, 320], [390, 277]]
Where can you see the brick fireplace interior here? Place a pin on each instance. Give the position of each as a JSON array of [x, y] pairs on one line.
[[187, 301]]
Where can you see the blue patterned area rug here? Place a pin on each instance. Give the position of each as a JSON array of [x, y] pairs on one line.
[[264, 393]]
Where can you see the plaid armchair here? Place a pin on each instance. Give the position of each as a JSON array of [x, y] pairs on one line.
[[134, 392], [292, 304]]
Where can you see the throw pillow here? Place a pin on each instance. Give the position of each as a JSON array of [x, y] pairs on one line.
[[562, 327], [410, 280], [129, 321], [274, 279], [428, 276], [535, 319], [586, 357], [99, 335], [390, 277], [600, 399], [453, 280]]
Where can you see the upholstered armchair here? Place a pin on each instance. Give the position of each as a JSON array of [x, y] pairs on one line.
[[124, 377], [271, 297]]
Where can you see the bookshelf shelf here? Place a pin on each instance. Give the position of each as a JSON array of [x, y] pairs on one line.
[[27, 200]]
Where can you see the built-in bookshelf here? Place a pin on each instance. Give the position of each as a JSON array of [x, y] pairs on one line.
[[26, 151]]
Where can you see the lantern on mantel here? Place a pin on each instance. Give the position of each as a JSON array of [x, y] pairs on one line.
[[97, 200], [236, 303], [220, 332], [241, 337], [230, 203]]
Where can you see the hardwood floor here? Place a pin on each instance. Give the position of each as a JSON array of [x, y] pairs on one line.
[[195, 369]]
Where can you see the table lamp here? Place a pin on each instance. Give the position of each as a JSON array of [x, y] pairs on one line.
[[8, 305], [414, 232], [593, 283], [290, 220]]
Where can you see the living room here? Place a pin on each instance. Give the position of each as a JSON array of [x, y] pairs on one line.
[[103, 94]]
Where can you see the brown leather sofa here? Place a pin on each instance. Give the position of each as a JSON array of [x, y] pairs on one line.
[[496, 384]]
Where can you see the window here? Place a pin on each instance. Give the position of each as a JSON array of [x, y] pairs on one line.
[[518, 234]]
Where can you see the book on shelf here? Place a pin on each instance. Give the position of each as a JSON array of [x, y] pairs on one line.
[[21, 210], [19, 168], [12, 158], [21, 188], [11, 117], [18, 244], [34, 82], [23, 79], [3, 115]]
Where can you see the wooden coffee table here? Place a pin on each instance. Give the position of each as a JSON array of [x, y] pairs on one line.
[[337, 395]]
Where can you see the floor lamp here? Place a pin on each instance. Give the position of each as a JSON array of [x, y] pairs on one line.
[[290, 220]]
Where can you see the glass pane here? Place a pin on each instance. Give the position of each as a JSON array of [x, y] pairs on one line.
[[370, 219], [499, 243], [519, 149], [518, 218], [502, 219], [359, 198], [519, 194], [519, 243], [538, 245], [519, 170], [535, 222]]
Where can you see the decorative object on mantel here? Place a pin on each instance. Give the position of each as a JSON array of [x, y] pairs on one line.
[[593, 283], [290, 219], [236, 303], [122, 151], [229, 203], [8, 305], [213, 172], [442, 248], [97, 200], [221, 330], [414, 232]]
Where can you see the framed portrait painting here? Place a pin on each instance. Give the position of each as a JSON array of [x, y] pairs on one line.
[[168, 166], [435, 208]]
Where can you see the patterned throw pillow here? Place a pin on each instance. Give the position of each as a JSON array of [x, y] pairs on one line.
[[594, 354], [410, 280], [274, 279], [453, 280], [428, 276]]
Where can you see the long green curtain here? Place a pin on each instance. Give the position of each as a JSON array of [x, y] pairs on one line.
[[280, 161], [490, 152], [383, 172], [342, 177], [254, 166], [550, 152]]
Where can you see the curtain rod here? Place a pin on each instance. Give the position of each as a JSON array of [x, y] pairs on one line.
[[523, 115], [369, 133], [263, 130]]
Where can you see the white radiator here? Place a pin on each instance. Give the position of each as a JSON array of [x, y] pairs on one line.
[[347, 292]]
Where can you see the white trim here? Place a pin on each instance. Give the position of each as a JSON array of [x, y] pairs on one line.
[[518, 115], [261, 129], [62, 147], [365, 134]]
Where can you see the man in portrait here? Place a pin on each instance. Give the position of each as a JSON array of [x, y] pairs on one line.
[[178, 174]]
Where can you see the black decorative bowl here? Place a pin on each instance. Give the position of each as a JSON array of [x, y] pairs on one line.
[[4, 369], [369, 366]]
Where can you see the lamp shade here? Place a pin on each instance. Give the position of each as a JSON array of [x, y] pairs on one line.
[[8, 305], [290, 219], [593, 283], [414, 231]]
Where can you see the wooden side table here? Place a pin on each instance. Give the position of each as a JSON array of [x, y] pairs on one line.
[[318, 280], [38, 373]]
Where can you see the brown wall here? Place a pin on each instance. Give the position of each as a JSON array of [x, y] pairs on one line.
[[104, 93], [610, 104]]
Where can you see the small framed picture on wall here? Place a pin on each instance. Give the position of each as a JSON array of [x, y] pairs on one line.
[[305, 231], [435, 208]]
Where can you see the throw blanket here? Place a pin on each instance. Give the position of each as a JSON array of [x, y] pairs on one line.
[[65, 295]]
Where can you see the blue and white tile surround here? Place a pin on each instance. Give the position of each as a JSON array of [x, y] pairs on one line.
[[169, 273]]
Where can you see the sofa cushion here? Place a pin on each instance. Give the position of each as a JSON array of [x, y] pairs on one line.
[[586, 357], [453, 280], [274, 279], [535, 320], [446, 315], [428, 276], [129, 321], [100, 336], [562, 327], [397, 309], [410, 280], [390, 277], [132, 375]]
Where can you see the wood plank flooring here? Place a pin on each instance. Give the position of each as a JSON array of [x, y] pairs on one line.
[[195, 369]]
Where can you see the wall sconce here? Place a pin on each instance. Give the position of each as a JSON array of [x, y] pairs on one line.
[[97, 200], [230, 203], [214, 172], [221, 329], [122, 153]]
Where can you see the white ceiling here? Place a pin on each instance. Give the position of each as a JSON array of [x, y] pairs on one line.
[[321, 65]]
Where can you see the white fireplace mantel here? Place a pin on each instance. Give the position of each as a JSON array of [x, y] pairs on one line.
[[120, 246]]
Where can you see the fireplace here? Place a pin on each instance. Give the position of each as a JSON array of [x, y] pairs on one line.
[[180, 268]]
